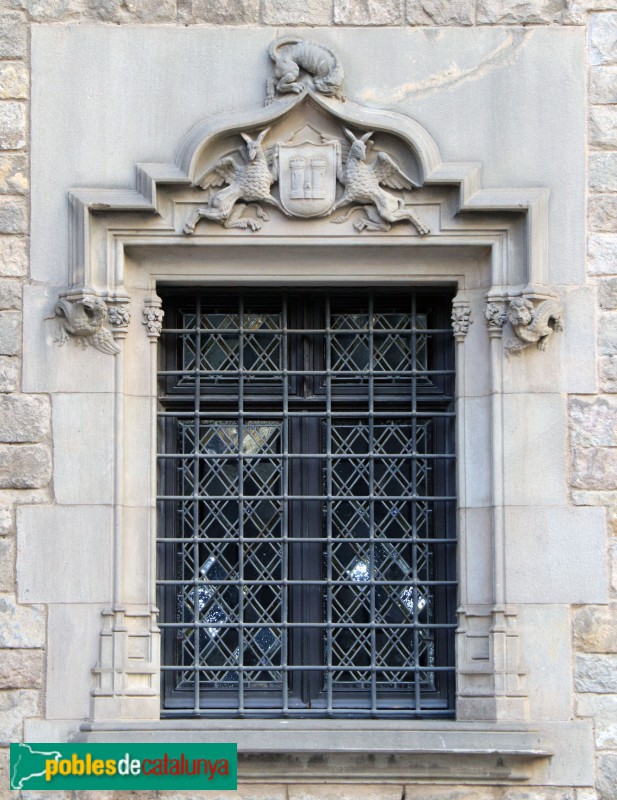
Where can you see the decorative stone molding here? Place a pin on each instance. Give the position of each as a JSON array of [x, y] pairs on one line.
[[533, 325], [119, 316], [153, 316], [491, 679], [127, 674], [496, 316], [83, 320], [461, 318], [295, 159]]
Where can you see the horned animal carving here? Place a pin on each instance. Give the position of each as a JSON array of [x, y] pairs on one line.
[[362, 182], [249, 182], [533, 326], [290, 55]]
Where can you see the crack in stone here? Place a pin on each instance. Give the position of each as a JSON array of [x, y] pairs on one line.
[[504, 54]]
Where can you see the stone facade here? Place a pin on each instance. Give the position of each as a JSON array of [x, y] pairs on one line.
[[29, 628]]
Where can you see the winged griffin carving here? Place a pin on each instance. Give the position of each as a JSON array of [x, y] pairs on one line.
[[362, 182], [249, 182]]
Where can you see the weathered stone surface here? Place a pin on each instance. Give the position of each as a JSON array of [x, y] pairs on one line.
[[595, 673], [603, 126], [15, 706], [594, 468], [13, 173], [245, 791], [297, 12], [603, 85], [607, 369], [13, 35], [612, 567], [226, 12], [586, 794], [593, 705], [607, 338], [344, 792], [607, 776], [14, 80], [9, 373], [538, 793], [607, 293], [603, 39], [13, 256], [595, 629], [50, 10], [7, 564], [602, 211], [440, 12], [450, 793], [603, 172], [583, 498], [602, 254], [605, 726], [491, 12], [7, 525], [13, 215], [21, 669], [368, 12], [120, 11], [10, 294], [12, 125], [20, 625], [24, 466], [23, 418], [594, 422], [10, 322]]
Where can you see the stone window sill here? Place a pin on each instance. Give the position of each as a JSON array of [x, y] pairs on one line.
[[352, 751]]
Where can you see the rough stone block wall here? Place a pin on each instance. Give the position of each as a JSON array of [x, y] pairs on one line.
[[25, 456]]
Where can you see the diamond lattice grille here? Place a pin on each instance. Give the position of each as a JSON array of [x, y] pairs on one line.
[[306, 505]]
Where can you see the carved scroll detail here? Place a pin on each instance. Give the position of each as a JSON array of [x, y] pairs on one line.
[[83, 320]]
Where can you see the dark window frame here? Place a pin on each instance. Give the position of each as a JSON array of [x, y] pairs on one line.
[[433, 393]]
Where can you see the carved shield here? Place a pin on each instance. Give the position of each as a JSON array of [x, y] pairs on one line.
[[307, 178]]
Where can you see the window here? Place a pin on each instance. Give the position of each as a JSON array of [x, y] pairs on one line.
[[306, 504]]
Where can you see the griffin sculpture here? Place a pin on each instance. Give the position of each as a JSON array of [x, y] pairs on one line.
[[362, 182], [249, 182], [84, 320]]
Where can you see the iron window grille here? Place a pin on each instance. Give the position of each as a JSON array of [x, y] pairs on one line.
[[306, 504]]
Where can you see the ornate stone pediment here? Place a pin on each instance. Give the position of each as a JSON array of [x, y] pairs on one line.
[[310, 167]]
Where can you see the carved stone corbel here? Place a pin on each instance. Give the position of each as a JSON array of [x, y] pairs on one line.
[[153, 316], [461, 318], [82, 319], [119, 317], [533, 324], [496, 317]]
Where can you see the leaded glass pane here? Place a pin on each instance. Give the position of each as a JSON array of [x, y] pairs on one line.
[[306, 506]]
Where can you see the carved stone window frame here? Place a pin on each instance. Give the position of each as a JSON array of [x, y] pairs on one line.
[[491, 244]]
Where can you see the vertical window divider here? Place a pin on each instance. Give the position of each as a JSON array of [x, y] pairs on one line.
[[241, 506], [329, 554], [371, 480], [285, 512], [414, 503], [196, 463]]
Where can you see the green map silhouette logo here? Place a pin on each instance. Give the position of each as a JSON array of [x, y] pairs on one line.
[[27, 762]]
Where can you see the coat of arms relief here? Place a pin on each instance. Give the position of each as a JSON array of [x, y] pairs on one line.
[[310, 173], [306, 176]]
